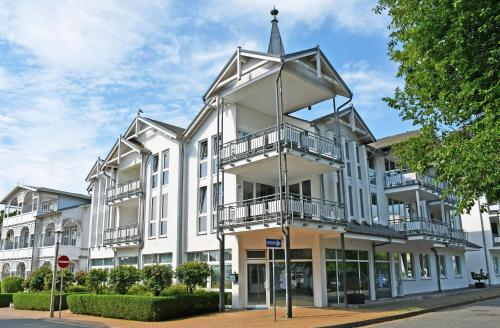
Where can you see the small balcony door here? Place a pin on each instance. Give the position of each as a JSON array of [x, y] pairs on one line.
[[256, 284]]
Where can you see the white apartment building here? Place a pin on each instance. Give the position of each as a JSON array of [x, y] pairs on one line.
[[155, 199], [483, 230], [34, 217]]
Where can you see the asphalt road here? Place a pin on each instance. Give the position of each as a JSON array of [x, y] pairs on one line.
[[36, 323], [484, 314]]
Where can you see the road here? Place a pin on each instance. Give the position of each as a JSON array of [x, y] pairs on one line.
[[37, 323], [485, 314]]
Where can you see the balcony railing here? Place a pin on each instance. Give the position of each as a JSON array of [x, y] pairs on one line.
[[123, 234], [458, 234], [496, 240], [421, 226], [291, 137], [125, 189], [267, 209]]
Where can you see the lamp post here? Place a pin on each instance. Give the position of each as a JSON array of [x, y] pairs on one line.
[[54, 271]]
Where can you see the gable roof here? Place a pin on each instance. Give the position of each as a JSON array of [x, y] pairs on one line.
[[17, 188], [389, 141], [173, 128]]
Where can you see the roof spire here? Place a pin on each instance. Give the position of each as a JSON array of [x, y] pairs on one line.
[[275, 43]]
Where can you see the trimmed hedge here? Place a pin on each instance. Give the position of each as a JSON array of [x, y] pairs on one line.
[[12, 285], [37, 301], [5, 300], [143, 308]]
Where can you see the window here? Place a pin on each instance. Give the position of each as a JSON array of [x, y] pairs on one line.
[[347, 155], [202, 210], [212, 258], [153, 213], [358, 161], [389, 165], [425, 266], [407, 266], [496, 263], [154, 171], [69, 236], [127, 260], [442, 266], [351, 205], [374, 207], [161, 258], [339, 192], [494, 229], [361, 202], [215, 191], [214, 154], [165, 167], [348, 166], [102, 262], [457, 265], [202, 157], [164, 214]]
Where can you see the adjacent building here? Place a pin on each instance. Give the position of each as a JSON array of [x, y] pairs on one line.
[[34, 217]]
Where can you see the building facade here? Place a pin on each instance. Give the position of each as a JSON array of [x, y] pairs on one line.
[[34, 217], [247, 169]]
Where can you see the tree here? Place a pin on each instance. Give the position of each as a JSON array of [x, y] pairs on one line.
[[81, 277], [123, 277], [36, 280], [193, 274], [448, 57], [157, 277], [95, 280], [68, 279]]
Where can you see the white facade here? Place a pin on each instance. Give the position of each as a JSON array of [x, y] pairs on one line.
[[33, 217]]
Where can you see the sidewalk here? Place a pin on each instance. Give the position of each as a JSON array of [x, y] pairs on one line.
[[303, 317]]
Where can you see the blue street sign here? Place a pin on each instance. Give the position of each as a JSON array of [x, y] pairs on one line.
[[273, 243]]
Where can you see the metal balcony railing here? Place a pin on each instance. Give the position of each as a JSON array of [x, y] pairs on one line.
[[458, 234], [122, 234], [496, 240], [124, 189], [267, 209], [428, 227], [291, 137]]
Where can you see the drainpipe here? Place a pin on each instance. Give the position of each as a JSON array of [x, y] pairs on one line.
[[180, 203], [437, 266], [484, 241]]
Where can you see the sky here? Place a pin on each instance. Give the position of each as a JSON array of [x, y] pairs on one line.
[[74, 73]]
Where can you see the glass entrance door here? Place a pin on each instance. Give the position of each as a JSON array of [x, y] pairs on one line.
[[256, 284]]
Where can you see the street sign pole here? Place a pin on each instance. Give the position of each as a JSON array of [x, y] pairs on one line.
[[274, 287], [60, 292], [273, 244], [54, 272]]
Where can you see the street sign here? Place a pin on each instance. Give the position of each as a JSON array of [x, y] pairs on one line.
[[63, 261], [273, 243]]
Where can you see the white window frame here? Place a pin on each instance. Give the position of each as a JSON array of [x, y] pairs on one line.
[[202, 210], [425, 266], [154, 172], [163, 215], [153, 217], [165, 167], [409, 259], [202, 159], [215, 190], [457, 266], [442, 264]]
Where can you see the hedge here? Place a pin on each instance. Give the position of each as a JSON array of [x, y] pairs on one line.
[[143, 308], [12, 285], [37, 301], [5, 300]]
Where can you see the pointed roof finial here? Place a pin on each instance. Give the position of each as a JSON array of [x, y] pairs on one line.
[[275, 43], [139, 112]]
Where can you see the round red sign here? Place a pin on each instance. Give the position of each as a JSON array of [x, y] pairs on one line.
[[63, 261]]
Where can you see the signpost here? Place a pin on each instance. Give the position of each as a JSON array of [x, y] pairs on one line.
[[62, 262], [272, 244]]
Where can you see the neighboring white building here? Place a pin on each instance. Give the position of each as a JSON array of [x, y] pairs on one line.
[[33, 216], [154, 196], [483, 229]]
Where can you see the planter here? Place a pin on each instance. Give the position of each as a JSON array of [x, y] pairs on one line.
[[479, 285], [356, 298]]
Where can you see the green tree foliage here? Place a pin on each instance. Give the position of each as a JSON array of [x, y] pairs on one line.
[[157, 277], [96, 279], [123, 277], [68, 279], [81, 277], [36, 280], [448, 57], [12, 285], [193, 274]]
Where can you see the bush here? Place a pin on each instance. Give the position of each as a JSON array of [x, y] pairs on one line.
[[5, 300], [12, 285], [143, 308], [177, 289], [123, 277], [139, 290], [81, 277], [96, 279], [193, 274], [69, 278], [37, 301], [36, 280], [77, 289], [157, 277]]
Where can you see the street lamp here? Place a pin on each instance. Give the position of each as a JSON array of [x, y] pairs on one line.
[[54, 270]]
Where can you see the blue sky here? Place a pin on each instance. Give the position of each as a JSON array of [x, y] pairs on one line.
[[74, 73]]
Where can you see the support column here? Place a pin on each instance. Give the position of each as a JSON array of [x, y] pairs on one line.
[[319, 273], [344, 272], [419, 210]]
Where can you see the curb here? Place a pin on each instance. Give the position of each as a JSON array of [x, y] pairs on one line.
[[407, 314]]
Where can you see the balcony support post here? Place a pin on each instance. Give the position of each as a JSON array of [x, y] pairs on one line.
[[417, 196], [220, 232]]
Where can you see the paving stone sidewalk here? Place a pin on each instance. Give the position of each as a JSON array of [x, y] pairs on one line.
[[303, 317]]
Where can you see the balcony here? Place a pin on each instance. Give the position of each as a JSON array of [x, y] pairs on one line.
[[265, 211], [496, 240], [458, 234], [420, 226], [122, 236], [256, 153], [493, 209], [396, 181], [124, 190]]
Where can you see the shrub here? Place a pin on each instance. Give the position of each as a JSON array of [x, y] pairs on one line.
[[12, 285], [81, 277], [69, 278], [177, 289], [96, 279], [36, 280], [5, 300], [123, 277], [193, 274], [157, 277], [37, 301], [143, 308], [77, 289], [139, 290]]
